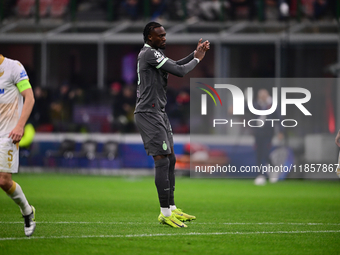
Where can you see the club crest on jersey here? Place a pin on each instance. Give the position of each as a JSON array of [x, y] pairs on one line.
[[2, 91], [165, 147], [23, 74]]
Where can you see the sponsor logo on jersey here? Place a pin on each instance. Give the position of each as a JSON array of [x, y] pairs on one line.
[[23, 74], [2, 91], [160, 59]]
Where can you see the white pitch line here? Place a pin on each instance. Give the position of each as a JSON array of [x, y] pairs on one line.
[[162, 234], [204, 223]]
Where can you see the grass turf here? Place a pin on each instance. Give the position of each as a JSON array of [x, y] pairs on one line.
[[117, 215]]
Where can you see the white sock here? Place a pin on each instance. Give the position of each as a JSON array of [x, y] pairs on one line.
[[173, 207], [19, 198], [166, 211]]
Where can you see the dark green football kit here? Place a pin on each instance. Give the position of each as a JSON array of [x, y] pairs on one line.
[[153, 68]]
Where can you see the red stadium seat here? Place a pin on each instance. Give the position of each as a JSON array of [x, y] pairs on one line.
[[44, 7], [25, 7], [59, 7]]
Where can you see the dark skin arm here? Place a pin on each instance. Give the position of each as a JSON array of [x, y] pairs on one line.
[[202, 48]]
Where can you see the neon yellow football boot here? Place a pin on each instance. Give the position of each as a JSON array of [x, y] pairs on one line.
[[171, 220], [180, 215]]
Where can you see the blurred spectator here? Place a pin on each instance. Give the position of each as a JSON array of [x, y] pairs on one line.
[[129, 102], [178, 9], [116, 98], [283, 7], [86, 5], [117, 102], [62, 107], [212, 10], [92, 10], [131, 9], [40, 117], [123, 106], [323, 7], [193, 10], [183, 104], [235, 4], [76, 96], [179, 111], [265, 133], [158, 8]]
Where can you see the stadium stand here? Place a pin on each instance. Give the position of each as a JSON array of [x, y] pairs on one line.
[[25, 7], [59, 8]]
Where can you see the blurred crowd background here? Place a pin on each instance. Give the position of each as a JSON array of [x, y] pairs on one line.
[[206, 10]]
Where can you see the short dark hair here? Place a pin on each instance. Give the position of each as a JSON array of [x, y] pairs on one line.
[[148, 28]]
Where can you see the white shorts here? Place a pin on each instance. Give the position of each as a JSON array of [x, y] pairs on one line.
[[9, 156]]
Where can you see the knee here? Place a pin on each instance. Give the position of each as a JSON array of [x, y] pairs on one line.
[[162, 162], [5, 182], [172, 159]]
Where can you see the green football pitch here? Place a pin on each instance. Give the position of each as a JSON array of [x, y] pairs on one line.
[[118, 215]]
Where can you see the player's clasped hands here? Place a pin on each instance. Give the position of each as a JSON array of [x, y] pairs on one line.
[[202, 48]]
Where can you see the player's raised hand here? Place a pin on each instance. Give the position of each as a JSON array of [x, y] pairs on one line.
[[200, 53], [206, 45], [199, 43], [203, 45]]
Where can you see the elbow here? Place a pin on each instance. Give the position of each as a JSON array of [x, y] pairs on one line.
[[31, 101], [180, 73]]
